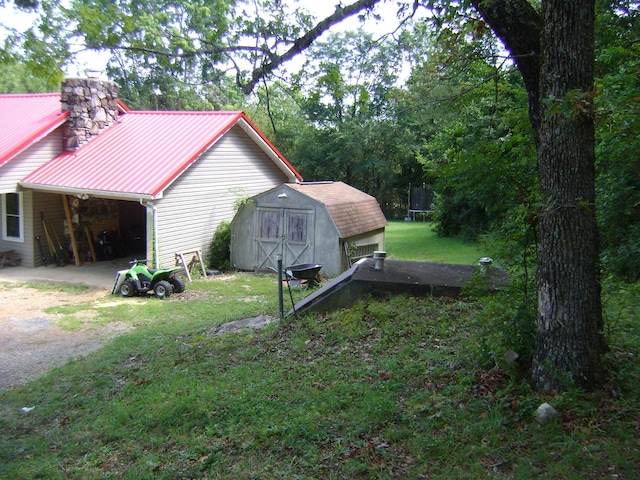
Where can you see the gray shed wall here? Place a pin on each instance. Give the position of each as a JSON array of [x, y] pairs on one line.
[[323, 239]]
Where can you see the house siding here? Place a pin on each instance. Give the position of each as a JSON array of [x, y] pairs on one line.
[[23, 248], [29, 160], [192, 208], [36, 205], [32, 203]]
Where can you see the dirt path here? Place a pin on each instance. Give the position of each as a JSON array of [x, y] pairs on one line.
[[30, 342]]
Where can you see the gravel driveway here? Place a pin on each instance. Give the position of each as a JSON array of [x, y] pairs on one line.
[[31, 343]]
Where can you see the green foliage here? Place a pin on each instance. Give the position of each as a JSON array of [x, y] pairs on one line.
[[618, 140], [345, 128], [475, 141], [219, 254], [33, 60], [15, 77], [508, 326]]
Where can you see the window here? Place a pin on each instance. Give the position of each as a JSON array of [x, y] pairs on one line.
[[297, 227], [12, 217], [269, 224]]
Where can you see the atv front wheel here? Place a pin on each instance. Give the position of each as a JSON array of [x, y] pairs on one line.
[[178, 284], [162, 289], [127, 288]]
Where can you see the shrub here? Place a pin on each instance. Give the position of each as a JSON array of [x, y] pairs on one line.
[[219, 253]]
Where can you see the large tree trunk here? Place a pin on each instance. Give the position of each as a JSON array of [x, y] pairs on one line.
[[569, 339], [555, 55]]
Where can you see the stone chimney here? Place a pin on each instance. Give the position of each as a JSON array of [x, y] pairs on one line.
[[92, 105]]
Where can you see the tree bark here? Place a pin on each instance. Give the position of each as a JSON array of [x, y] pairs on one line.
[[569, 339]]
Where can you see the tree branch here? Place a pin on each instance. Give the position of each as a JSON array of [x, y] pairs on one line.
[[303, 42], [519, 26]]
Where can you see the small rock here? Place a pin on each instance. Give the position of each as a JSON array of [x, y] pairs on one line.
[[545, 412], [510, 356], [255, 323]]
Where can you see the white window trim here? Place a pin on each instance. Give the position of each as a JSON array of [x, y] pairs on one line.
[[5, 237]]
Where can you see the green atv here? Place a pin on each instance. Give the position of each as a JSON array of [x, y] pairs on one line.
[[141, 280]]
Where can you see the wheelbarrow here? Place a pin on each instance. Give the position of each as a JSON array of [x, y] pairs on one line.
[[305, 271]]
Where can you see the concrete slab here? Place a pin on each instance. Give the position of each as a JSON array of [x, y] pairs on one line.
[[98, 275], [396, 277], [255, 323]]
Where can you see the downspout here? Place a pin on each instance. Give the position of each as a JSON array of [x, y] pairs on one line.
[[156, 248]]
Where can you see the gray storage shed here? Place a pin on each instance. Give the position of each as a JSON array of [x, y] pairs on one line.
[[329, 223]]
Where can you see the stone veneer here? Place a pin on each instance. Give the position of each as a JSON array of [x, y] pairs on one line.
[[92, 104]]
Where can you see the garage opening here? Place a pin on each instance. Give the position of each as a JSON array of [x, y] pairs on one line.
[[108, 229]]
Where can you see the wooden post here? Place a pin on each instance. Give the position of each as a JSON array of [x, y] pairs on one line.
[[90, 241], [74, 245], [180, 261]]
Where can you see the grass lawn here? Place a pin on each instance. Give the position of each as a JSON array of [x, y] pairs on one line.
[[403, 388], [417, 241]]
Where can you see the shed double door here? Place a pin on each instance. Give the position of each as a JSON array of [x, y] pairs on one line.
[[284, 231]]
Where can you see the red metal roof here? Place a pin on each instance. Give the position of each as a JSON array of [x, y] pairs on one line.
[[143, 153], [25, 119]]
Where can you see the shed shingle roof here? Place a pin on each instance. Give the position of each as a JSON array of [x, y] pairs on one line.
[[353, 211]]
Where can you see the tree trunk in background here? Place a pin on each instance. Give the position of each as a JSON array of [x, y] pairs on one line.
[[569, 339]]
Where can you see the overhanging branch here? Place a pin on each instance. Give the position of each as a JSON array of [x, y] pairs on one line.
[[306, 40]]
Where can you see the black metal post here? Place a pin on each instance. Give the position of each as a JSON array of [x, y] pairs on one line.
[[280, 299]]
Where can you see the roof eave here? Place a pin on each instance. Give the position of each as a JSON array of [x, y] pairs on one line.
[[86, 193]]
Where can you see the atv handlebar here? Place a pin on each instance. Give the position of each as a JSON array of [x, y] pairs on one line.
[[137, 262]]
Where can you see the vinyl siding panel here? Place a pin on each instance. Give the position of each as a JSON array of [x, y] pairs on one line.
[[32, 203], [29, 160], [193, 207], [23, 248]]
